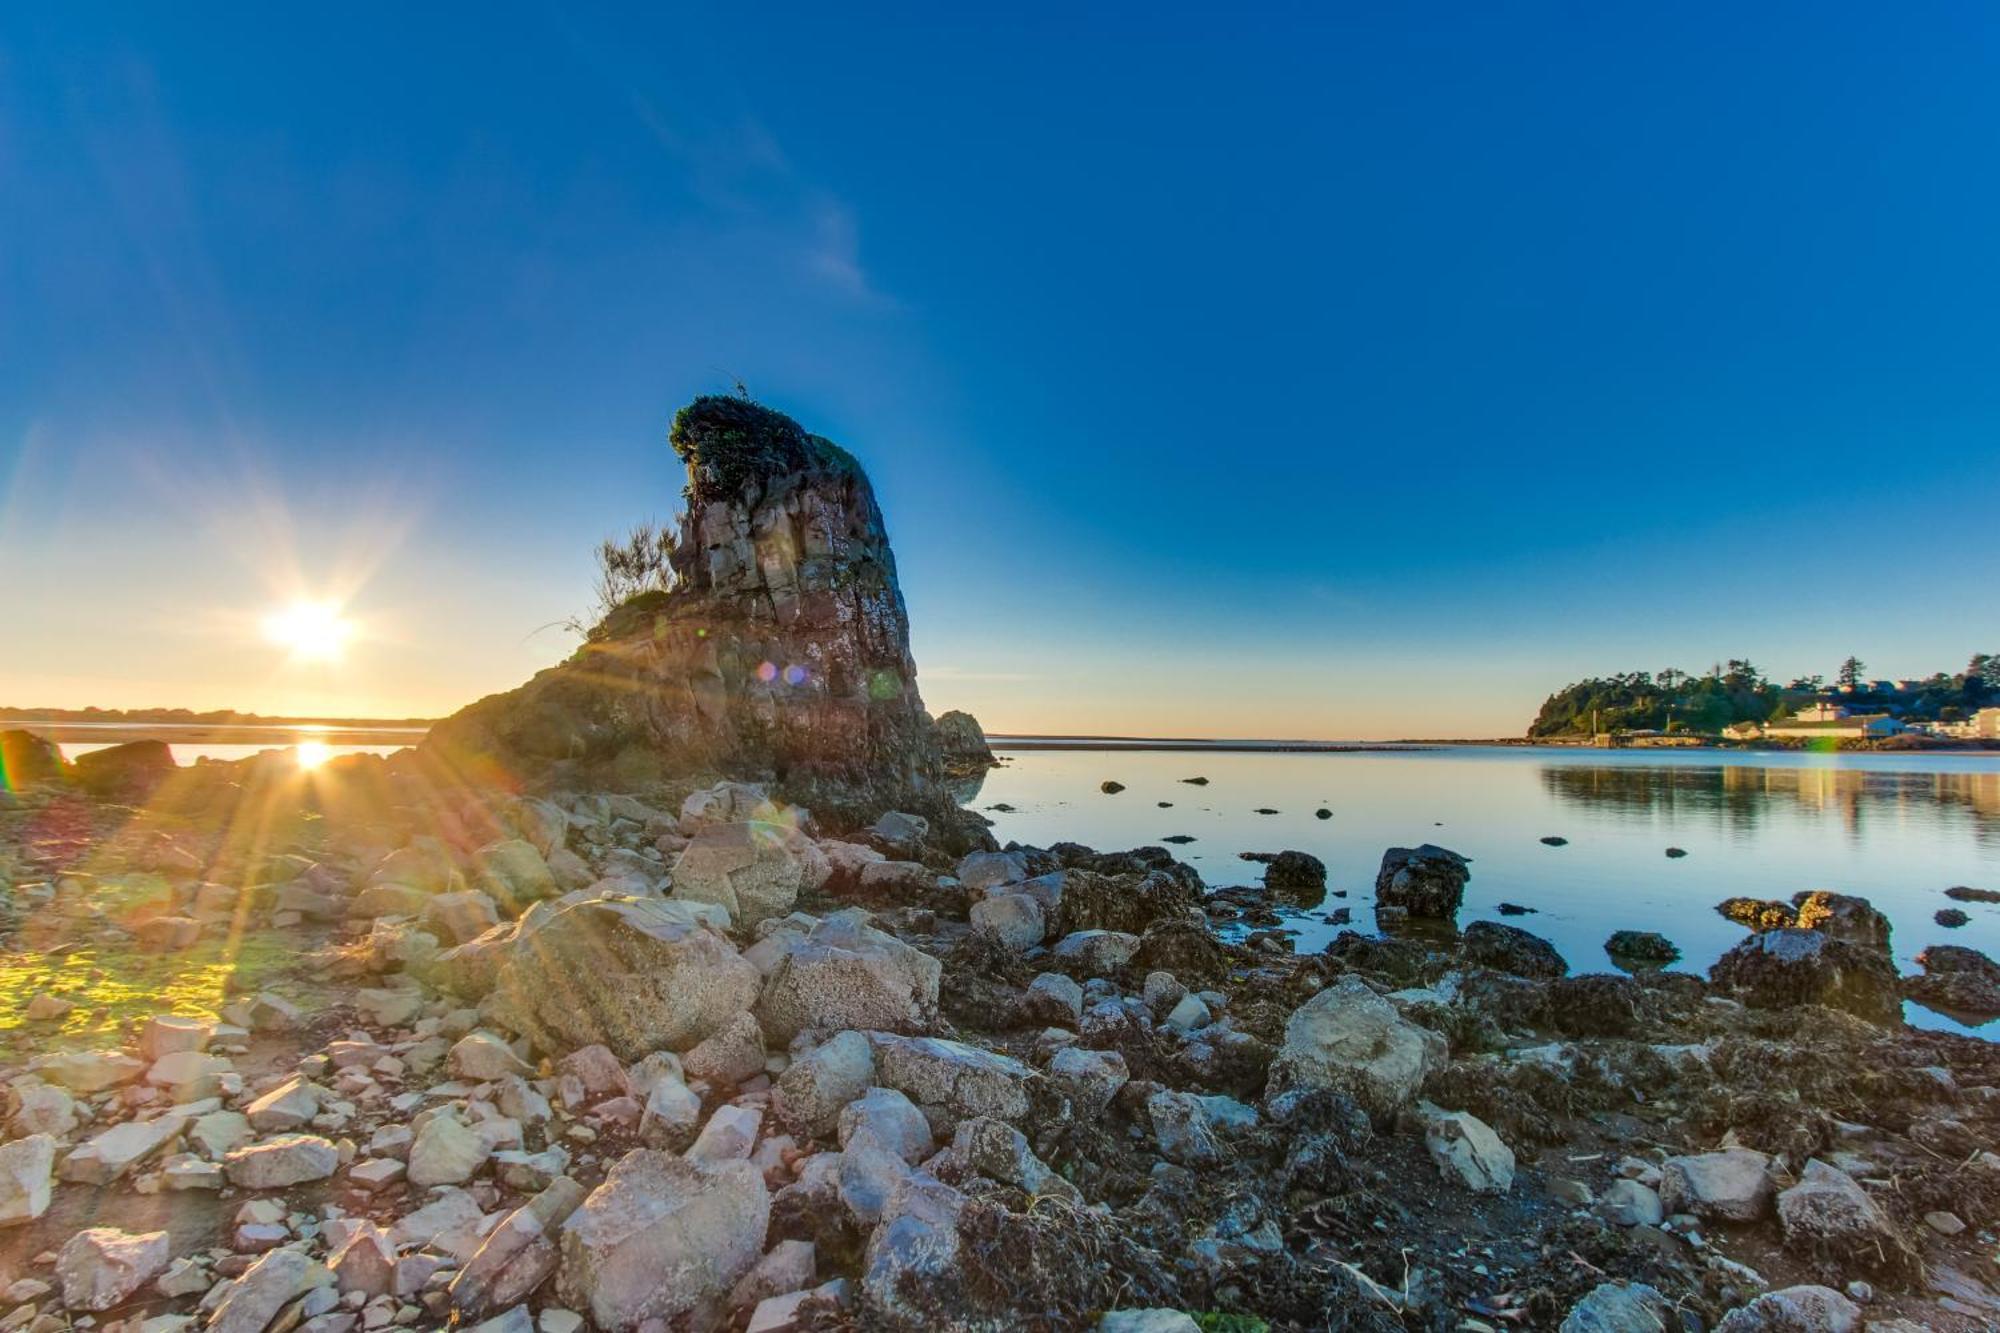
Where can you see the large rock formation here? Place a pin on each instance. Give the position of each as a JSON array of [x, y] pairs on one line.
[[781, 651]]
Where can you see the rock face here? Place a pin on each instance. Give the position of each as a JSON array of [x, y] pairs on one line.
[[963, 741], [636, 975], [1427, 881], [781, 651]]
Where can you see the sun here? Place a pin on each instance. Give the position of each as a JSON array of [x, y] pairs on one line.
[[313, 631]]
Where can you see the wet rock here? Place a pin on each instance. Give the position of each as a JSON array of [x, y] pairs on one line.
[[1808, 1309], [660, 1237], [1621, 1307], [1828, 1215], [1844, 917], [1467, 1150], [1426, 881], [1956, 978], [1642, 946], [844, 974], [27, 1168], [963, 742], [1733, 1185], [281, 1162], [1950, 917], [1110, 788], [1966, 894], [636, 975], [1297, 878], [1350, 1040], [100, 1268], [754, 871], [1510, 949], [1792, 966], [1186, 948]]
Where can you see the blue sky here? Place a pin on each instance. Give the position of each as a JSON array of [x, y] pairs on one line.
[[1315, 371]]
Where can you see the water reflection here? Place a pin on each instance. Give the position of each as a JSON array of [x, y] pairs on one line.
[[1738, 797]]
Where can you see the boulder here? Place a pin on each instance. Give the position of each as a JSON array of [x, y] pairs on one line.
[[461, 917], [660, 1237], [814, 1088], [980, 871], [1956, 979], [889, 1119], [1792, 966], [1842, 916], [1467, 1150], [27, 1169], [1350, 1040], [1193, 1129], [100, 1268], [636, 975], [754, 871], [1510, 949], [1621, 1307], [1807, 1309], [117, 1150], [724, 803], [281, 1162], [912, 1273], [266, 1287], [1641, 946], [998, 1151], [128, 772], [1827, 1215], [950, 1079], [519, 1254], [1733, 1185], [1094, 953], [1015, 919], [843, 973], [1297, 878], [514, 874], [1427, 881], [1090, 1079], [481, 1057], [1629, 1203], [962, 741], [446, 1151], [28, 760], [730, 1056]]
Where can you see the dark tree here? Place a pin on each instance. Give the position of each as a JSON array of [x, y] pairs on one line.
[[1850, 671]]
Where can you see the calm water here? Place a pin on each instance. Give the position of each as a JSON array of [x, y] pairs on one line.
[[1897, 829], [186, 753]]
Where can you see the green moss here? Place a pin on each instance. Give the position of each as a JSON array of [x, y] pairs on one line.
[[114, 987], [729, 442], [733, 441]]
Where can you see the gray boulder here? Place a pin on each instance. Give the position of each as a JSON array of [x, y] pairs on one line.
[[1622, 1307], [100, 1268], [1350, 1040], [843, 973], [753, 871], [1791, 966], [1733, 1185], [634, 974], [660, 1237], [1806, 1309], [951, 1080]]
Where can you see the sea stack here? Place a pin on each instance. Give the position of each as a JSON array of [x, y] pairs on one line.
[[780, 652]]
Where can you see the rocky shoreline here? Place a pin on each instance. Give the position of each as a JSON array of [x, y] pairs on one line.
[[586, 1059]]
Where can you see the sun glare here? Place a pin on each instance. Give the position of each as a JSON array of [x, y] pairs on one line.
[[313, 753], [315, 631]]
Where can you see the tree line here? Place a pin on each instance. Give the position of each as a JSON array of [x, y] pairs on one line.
[[1737, 691]]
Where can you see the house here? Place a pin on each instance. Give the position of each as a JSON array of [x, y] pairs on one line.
[[1986, 723], [1820, 712], [1854, 727], [1743, 731]]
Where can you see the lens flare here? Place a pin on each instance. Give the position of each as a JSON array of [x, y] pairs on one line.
[[315, 631], [313, 753]]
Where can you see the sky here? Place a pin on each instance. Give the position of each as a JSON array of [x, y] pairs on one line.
[[1307, 371]]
